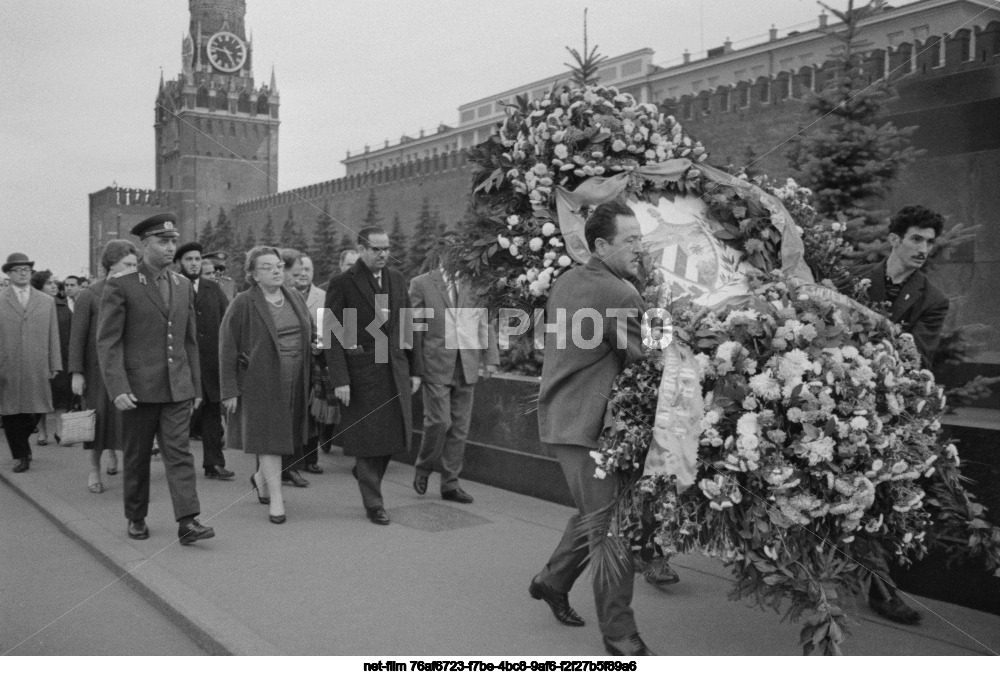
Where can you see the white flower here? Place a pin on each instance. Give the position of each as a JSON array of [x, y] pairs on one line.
[[503, 241], [564, 261], [513, 220], [792, 365], [555, 242], [514, 250], [618, 145], [819, 450], [765, 386], [600, 473], [548, 229], [727, 350], [550, 255], [535, 244], [540, 169], [859, 423], [561, 151]]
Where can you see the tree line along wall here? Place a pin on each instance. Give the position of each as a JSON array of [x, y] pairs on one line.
[[445, 181]]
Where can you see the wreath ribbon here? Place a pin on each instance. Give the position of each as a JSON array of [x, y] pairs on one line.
[[673, 449]]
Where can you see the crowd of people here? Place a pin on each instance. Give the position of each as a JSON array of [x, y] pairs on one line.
[[163, 352]]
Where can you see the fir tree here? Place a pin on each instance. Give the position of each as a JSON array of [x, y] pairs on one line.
[[291, 236], [325, 250], [397, 240], [425, 236], [585, 69], [225, 238], [267, 237], [372, 218], [845, 156], [207, 239]]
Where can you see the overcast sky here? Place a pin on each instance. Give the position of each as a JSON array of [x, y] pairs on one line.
[[79, 80]]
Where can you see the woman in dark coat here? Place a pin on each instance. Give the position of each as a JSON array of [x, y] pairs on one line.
[[119, 255], [62, 397], [264, 365]]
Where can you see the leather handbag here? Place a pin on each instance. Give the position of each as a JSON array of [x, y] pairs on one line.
[[78, 425]]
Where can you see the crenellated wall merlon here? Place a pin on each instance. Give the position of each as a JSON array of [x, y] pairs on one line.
[[425, 166]]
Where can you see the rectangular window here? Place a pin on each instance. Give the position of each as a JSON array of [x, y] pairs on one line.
[[468, 115]]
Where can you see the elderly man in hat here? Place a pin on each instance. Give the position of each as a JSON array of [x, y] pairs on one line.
[[219, 259], [210, 305], [148, 352], [30, 356]]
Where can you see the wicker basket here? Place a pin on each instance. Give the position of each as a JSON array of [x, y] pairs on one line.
[[78, 426]]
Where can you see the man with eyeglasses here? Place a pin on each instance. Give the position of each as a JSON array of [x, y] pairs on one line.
[[30, 356], [374, 378], [572, 404]]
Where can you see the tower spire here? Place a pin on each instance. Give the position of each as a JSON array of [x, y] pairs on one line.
[[274, 82]]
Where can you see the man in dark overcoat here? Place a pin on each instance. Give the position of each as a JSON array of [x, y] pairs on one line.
[[148, 351], [209, 307], [573, 401], [375, 374]]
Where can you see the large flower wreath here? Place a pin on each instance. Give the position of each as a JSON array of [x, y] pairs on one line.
[[817, 452]]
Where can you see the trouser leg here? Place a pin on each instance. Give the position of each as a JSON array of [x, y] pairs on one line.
[[612, 596], [211, 434], [437, 417], [177, 458], [139, 427], [453, 453], [370, 471], [18, 429]]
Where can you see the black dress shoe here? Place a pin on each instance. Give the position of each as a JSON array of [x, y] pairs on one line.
[[894, 609], [378, 515], [457, 495], [558, 602], [21, 465], [420, 483], [277, 520], [190, 531], [137, 529], [293, 477], [631, 645], [262, 500], [313, 468], [218, 473]]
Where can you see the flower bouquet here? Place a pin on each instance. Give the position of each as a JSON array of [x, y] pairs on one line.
[[815, 456]]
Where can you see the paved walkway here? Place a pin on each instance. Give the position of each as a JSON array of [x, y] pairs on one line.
[[443, 579]]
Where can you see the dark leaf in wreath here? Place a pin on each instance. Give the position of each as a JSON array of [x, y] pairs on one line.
[[492, 249], [726, 235]]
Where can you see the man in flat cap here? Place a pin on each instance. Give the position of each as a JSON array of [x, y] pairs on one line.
[[209, 305], [226, 283], [30, 356], [148, 352]]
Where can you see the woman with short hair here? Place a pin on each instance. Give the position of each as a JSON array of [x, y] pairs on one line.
[[264, 348], [118, 257], [62, 397]]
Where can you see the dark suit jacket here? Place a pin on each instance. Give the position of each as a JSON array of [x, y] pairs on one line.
[[356, 289], [145, 348], [430, 291], [250, 368], [209, 307], [576, 381], [920, 309]]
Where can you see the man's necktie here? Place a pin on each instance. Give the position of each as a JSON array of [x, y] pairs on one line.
[[164, 285]]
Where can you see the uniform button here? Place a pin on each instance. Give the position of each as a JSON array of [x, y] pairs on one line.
[[170, 323], [170, 359], [170, 347], [170, 336]]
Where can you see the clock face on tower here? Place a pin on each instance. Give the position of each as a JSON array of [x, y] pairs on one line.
[[226, 52]]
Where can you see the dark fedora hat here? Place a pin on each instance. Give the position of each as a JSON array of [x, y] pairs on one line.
[[15, 259]]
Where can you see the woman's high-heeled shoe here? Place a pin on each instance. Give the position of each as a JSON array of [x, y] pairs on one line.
[[277, 520], [262, 500]]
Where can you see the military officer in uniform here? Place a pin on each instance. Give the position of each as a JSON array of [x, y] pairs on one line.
[[218, 259], [148, 353]]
